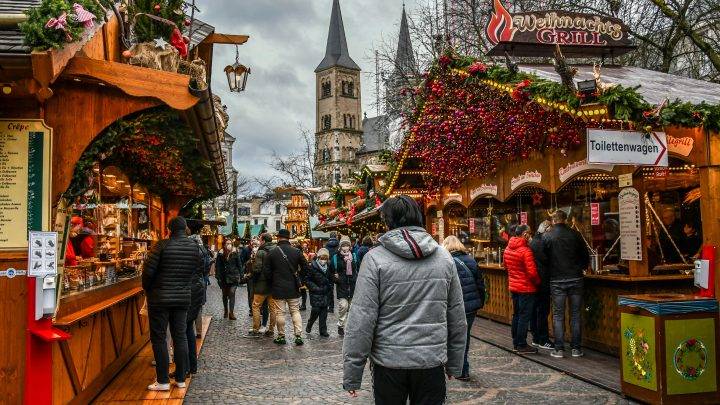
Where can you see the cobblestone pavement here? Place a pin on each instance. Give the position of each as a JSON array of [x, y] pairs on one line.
[[237, 370]]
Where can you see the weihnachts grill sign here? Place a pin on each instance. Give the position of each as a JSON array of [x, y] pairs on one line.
[[536, 33]]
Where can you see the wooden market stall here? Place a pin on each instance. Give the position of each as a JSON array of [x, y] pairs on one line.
[[676, 210], [102, 163]]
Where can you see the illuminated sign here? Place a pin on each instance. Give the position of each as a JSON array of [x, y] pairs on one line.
[[536, 33]]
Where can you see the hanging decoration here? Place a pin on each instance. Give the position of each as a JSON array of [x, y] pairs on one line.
[[470, 117], [155, 149], [83, 16]]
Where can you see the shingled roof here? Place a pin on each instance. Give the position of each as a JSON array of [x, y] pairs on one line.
[[11, 39], [376, 133], [336, 52]]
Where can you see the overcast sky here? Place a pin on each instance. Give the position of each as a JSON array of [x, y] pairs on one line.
[[287, 42]]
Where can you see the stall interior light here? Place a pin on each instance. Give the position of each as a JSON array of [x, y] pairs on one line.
[[109, 176]]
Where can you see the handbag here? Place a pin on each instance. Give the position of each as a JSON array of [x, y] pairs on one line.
[[298, 283]]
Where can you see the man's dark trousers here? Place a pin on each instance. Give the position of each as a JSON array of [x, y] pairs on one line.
[[159, 319], [561, 292], [422, 386]]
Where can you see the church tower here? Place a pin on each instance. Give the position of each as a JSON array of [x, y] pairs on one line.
[[405, 72], [338, 134]]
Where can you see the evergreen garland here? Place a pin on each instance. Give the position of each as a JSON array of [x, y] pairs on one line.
[[40, 38], [155, 149], [147, 29], [624, 103]]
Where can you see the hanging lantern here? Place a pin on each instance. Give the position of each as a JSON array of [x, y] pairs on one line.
[[237, 74]]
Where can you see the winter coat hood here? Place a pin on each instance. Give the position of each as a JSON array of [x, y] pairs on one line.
[[516, 242], [410, 242]]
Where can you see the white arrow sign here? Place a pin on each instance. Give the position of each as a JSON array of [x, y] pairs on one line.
[[627, 147]]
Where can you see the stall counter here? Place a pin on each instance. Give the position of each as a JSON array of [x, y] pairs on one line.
[[107, 331], [600, 316]]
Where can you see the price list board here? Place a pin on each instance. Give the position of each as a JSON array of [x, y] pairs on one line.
[[25, 178], [630, 230]]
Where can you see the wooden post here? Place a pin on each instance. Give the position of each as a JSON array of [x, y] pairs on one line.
[[710, 200]]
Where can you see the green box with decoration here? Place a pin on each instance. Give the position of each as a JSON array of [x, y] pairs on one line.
[[669, 348]]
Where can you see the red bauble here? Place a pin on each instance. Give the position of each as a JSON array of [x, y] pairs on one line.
[[157, 8]]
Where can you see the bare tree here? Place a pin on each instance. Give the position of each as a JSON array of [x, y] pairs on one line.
[[294, 170]]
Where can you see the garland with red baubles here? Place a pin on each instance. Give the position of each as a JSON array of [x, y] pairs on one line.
[[464, 128]]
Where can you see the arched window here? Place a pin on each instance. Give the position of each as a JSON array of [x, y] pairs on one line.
[[337, 175], [325, 89], [326, 121]]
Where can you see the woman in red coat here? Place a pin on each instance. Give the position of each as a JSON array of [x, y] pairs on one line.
[[523, 281]]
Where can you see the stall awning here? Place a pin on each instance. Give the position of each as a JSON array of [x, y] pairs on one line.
[[256, 230], [242, 229], [227, 228], [317, 234]]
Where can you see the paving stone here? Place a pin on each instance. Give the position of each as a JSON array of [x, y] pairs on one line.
[[233, 369]]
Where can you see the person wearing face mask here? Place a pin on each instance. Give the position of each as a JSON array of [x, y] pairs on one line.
[[228, 271], [318, 282], [523, 282], [344, 266]]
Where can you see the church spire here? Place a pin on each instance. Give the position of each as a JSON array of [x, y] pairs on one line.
[[404, 58], [336, 52]]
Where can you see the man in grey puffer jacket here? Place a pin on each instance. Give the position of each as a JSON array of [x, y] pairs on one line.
[[407, 315]]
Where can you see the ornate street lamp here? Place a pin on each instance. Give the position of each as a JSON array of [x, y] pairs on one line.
[[237, 74]]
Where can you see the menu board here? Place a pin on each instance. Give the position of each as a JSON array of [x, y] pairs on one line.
[[25, 170], [630, 230]]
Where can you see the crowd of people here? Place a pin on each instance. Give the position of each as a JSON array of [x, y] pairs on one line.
[[404, 301]]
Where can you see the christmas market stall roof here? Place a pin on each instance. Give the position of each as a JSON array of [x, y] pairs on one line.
[[654, 86], [314, 234], [256, 230], [243, 229]]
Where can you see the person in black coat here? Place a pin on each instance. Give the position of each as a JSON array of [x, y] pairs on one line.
[[318, 282], [539, 317], [344, 266], [285, 268], [168, 274], [332, 246], [367, 244], [473, 288], [228, 271]]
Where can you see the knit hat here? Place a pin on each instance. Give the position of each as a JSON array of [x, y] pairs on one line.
[[177, 224], [345, 241], [323, 252]]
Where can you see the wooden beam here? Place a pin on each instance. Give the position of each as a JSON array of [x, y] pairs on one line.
[[170, 88], [217, 38]]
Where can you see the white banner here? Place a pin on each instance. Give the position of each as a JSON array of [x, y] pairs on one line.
[[627, 147]]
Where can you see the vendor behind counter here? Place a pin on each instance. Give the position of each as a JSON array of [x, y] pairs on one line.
[[81, 244]]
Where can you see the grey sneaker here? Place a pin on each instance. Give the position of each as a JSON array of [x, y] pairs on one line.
[[577, 353], [545, 346], [557, 353]]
